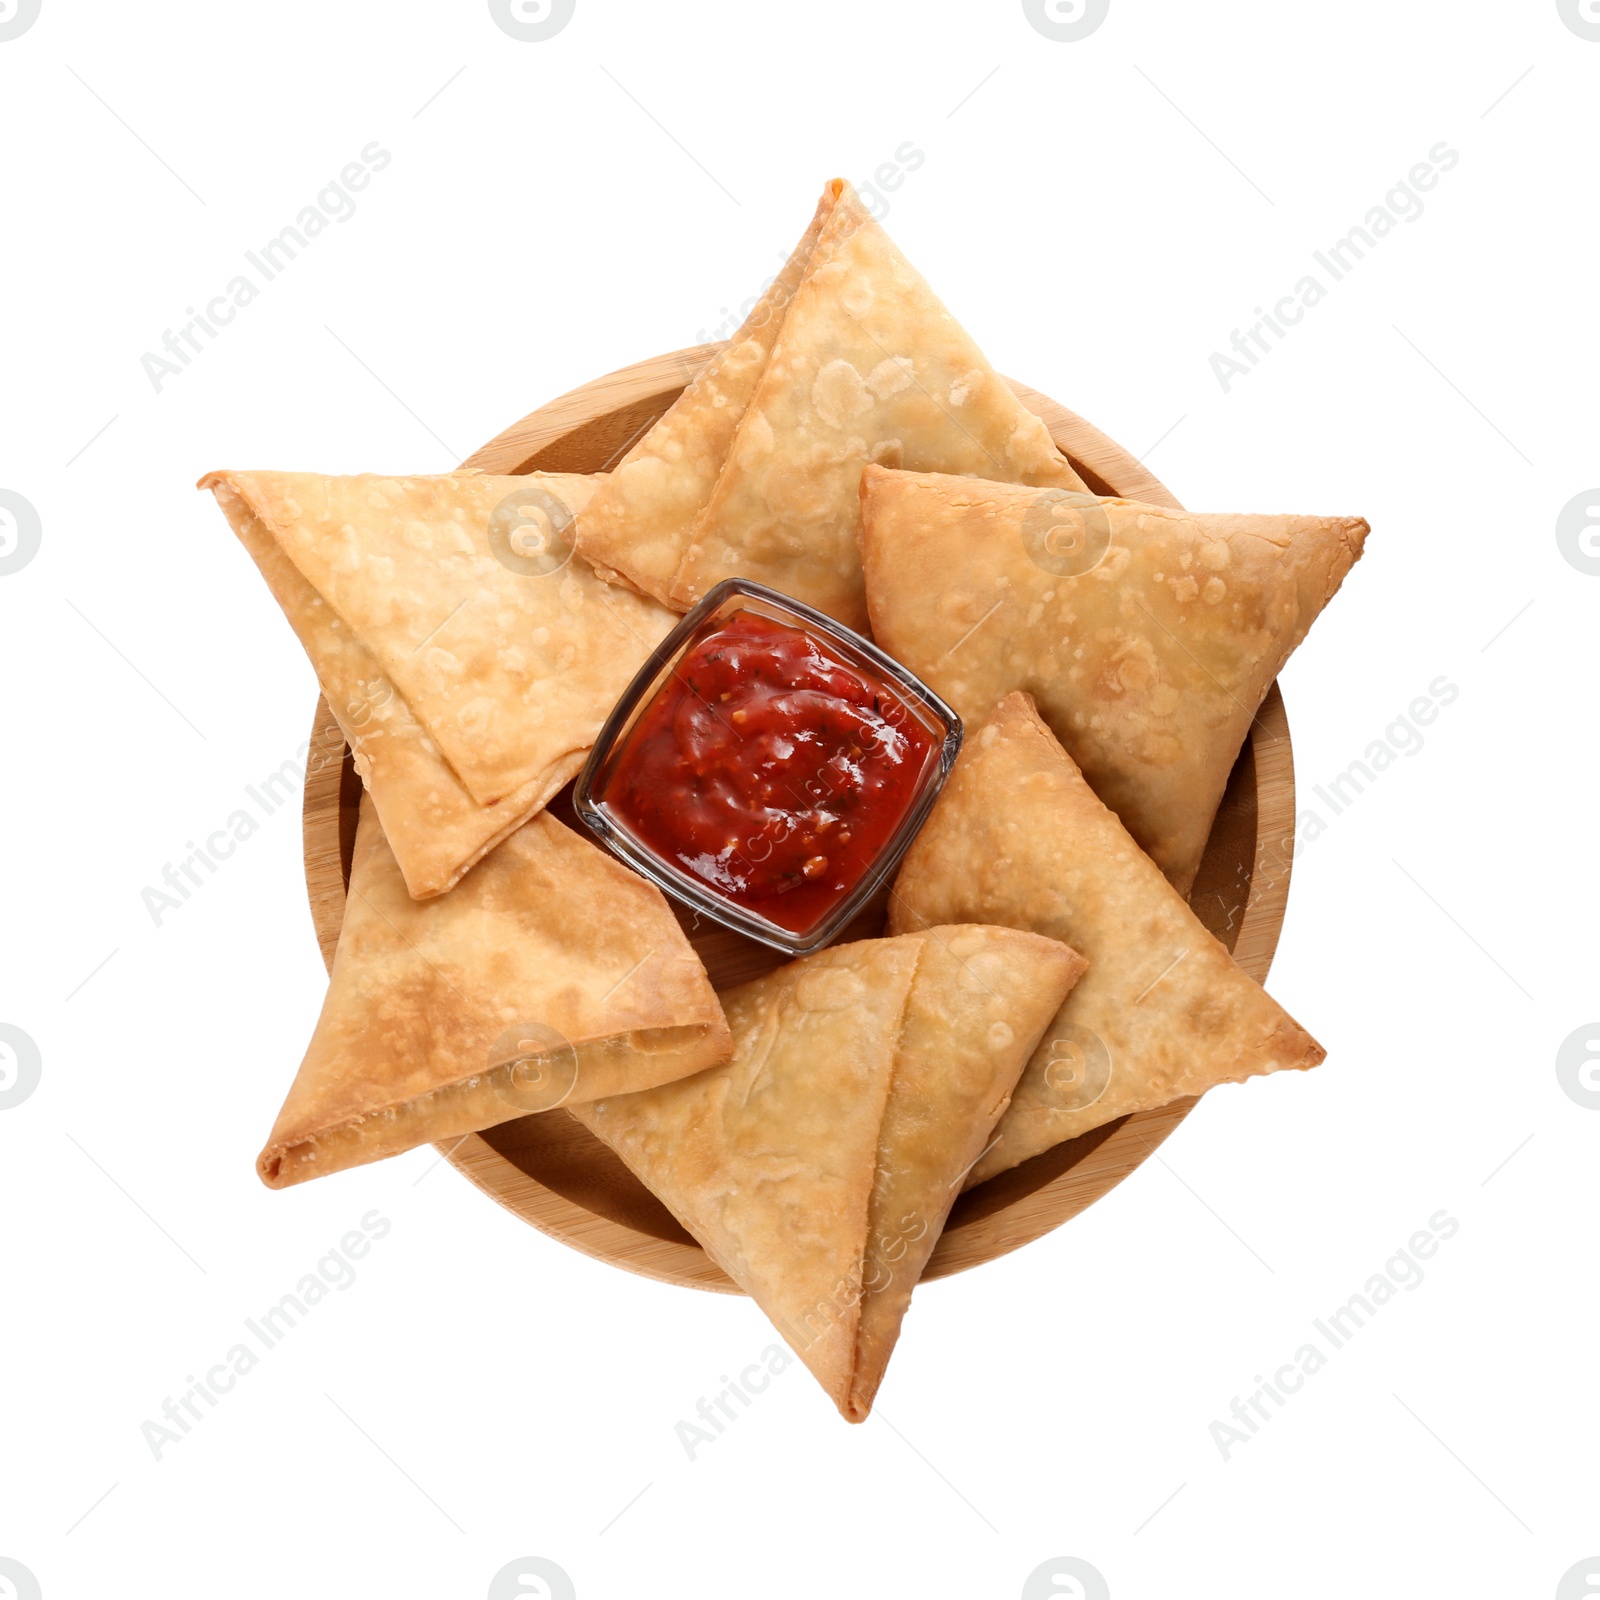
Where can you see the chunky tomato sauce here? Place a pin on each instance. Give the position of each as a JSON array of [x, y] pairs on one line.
[[769, 770]]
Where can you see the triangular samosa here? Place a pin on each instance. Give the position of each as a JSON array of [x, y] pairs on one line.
[[866, 365], [975, 1010], [550, 974], [435, 828], [1148, 637], [869, 366], [636, 529], [506, 649], [817, 1167], [1018, 838]]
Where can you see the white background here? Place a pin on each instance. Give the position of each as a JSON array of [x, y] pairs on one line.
[[555, 210]]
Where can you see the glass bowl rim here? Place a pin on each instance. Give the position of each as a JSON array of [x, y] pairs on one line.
[[701, 898]]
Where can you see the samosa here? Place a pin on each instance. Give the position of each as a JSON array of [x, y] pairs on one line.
[[866, 365], [818, 1166], [1147, 637], [1018, 838], [467, 654], [550, 974]]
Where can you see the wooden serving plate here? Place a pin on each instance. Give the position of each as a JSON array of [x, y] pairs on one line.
[[549, 1169]]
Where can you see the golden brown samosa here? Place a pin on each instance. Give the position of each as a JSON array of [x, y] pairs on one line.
[[1148, 637], [636, 529], [550, 974], [868, 367], [817, 1167], [973, 1011], [468, 656], [754, 472], [1018, 838]]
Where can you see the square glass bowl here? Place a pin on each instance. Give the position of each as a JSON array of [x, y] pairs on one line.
[[729, 599]]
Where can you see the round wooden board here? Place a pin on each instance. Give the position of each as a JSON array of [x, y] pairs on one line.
[[549, 1169]]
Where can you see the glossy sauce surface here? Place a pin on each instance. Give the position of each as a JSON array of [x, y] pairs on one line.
[[770, 769]]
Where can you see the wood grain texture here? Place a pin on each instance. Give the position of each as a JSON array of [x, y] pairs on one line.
[[556, 1175]]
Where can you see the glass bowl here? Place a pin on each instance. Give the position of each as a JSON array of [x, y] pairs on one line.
[[727, 600]]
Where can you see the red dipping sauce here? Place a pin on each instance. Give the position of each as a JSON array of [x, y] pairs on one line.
[[769, 769]]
